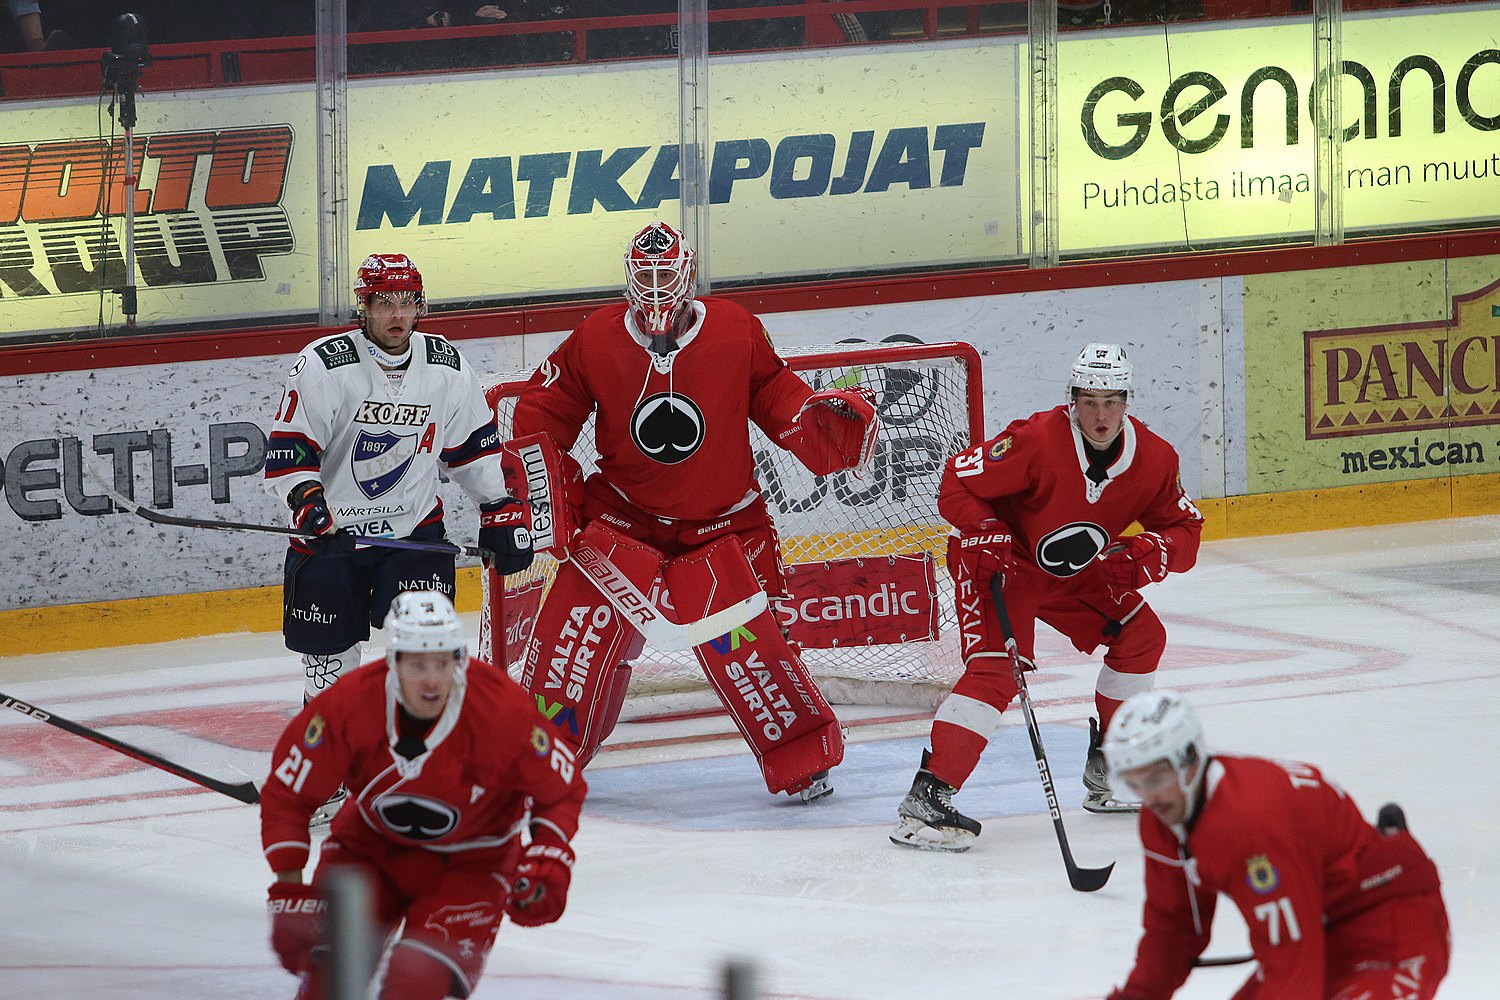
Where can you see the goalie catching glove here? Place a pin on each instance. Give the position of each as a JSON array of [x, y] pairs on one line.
[[835, 429], [1131, 563], [502, 530], [540, 889]]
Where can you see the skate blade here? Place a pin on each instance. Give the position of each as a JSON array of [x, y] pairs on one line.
[[322, 817], [1104, 805], [914, 833], [817, 790]]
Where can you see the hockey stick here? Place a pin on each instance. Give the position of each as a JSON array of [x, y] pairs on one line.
[[157, 517], [244, 791], [1211, 963], [1082, 879], [664, 635]]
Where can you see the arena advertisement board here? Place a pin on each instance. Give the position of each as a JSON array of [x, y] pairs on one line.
[[1372, 374], [830, 161], [189, 437], [1205, 134], [225, 220], [523, 182]]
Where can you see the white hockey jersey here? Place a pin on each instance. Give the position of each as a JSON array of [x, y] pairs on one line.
[[376, 447]]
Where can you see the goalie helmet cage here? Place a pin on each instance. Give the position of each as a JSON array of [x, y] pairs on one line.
[[931, 406]]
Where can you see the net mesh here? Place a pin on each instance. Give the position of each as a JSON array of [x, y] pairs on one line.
[[928, 398]]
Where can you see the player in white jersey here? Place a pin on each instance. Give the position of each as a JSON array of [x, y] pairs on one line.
[[366, 420]]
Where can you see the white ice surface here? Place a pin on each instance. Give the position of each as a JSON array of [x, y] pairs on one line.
[[1374, 653]]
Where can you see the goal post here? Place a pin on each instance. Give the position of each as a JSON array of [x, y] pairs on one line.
[[868, 598]]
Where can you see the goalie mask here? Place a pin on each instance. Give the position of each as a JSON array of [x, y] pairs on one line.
[[661, 275], [1102, 368], [390, 274], [1154, 726]]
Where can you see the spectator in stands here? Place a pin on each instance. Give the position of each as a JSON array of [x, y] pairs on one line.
[[28, 21]]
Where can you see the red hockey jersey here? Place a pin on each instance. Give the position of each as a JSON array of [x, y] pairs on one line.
[[466, 793], [1031, 477], [1296, 857], [673, 434]]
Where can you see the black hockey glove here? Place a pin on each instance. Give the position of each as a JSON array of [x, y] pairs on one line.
[[502, 530], [309, 508]]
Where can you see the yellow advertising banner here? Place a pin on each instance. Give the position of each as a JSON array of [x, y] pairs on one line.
[[513, 183], [1372, 374], [1204, 134], [225, 211], [528, 183]]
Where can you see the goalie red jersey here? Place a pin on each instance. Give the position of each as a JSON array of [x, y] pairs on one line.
[[673, 383], [1328, 900], [673, 439]]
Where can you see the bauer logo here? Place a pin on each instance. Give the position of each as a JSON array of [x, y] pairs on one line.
[[207, 210], [1432, 375]]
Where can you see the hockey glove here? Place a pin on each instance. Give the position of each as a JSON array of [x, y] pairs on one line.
[[1131, 563], [541, 885], [310, 509], [502, 530], [296, 923], [980, 553]]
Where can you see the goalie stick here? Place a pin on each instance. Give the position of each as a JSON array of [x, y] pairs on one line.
[[664, 635], [244, 791], [157, 517], [1081, 879]]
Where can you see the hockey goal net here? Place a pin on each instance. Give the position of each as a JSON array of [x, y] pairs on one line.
[[869, 600]]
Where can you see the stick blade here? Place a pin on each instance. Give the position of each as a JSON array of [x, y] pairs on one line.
[[669, 637], [1090, 879]]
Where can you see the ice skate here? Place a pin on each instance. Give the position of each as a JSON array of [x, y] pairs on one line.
[[820, 786], [1098, 796], [323, 815], [928, 820]]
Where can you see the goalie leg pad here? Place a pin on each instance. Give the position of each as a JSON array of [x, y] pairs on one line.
[[579, 638], [756, 672]]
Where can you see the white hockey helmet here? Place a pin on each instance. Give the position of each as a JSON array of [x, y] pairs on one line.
[[424, 621], [1152, 726], [1102, 367]]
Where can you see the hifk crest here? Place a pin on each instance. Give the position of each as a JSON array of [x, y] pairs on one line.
[[379, 460]]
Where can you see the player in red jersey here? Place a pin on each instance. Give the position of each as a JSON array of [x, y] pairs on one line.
[[673, 382], [1042, 505], [1337, 909], [449, 770]]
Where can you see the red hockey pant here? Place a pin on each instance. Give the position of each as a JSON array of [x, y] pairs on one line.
[[1084, 610]]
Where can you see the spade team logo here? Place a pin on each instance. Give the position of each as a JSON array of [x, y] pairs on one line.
[[415, 817], [667, 427], [1067, 550]]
